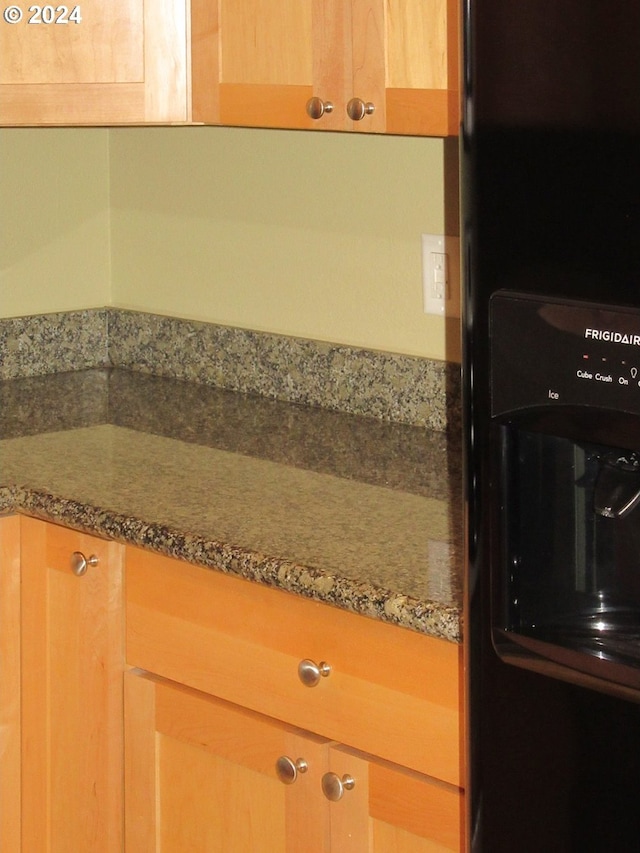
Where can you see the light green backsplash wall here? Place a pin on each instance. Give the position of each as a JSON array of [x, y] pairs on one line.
[[54, 220], [308, 234]]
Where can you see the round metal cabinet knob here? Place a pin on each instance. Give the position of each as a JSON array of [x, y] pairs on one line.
[[316, 107], [357, 109], [333, 787], [287, 770], [80, 563], [310, 672]]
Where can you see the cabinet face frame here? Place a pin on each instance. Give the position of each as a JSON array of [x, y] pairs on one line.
[[10, 698]]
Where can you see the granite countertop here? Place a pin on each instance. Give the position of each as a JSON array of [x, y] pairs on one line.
[[355, 512]]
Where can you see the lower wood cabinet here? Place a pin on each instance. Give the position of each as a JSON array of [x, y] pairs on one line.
[[202, 774], [244, 676], [241, 718]]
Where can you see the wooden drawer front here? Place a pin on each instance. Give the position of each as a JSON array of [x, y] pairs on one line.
[[391, 692]]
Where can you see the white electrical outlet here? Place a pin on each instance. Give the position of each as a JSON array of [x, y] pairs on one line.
[[441, 275]]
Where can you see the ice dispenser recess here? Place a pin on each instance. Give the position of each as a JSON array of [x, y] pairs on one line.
[[566, 435]]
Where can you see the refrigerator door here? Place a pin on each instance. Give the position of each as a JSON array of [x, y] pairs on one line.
[[551, 212]]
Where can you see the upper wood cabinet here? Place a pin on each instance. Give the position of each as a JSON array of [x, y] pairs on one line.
[[384, 66], [260, 62], [93, 63]]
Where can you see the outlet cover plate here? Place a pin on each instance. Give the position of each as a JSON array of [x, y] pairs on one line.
[[441, 275]]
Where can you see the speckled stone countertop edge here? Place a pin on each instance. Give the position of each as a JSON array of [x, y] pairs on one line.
[[362, 598]]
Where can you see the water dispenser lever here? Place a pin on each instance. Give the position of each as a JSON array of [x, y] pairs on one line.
[[617, 490]]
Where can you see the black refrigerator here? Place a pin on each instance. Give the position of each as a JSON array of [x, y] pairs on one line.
[[550, 164]]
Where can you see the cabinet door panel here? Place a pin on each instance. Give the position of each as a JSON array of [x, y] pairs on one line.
[[257, 64], [264, 43], [419, 813], [254, 105], [72, 659], [195, 784], [265, 62], [123, 61], [200, 776], [106, 46], [392, 810], [416, 42], [422, 74]]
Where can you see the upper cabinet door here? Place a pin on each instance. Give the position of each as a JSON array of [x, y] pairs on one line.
[[98, 62], [259, 62], [378, 66], [421, 64]]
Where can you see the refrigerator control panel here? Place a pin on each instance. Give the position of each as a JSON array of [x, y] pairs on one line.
[[548, 352]]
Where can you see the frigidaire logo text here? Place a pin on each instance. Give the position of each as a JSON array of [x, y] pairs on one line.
[[615, 337]]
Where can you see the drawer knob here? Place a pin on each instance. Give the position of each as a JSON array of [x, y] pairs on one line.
[[357, 109], [310, 672], [287, 770], [316, 107], [334, 786], [80, 563]]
